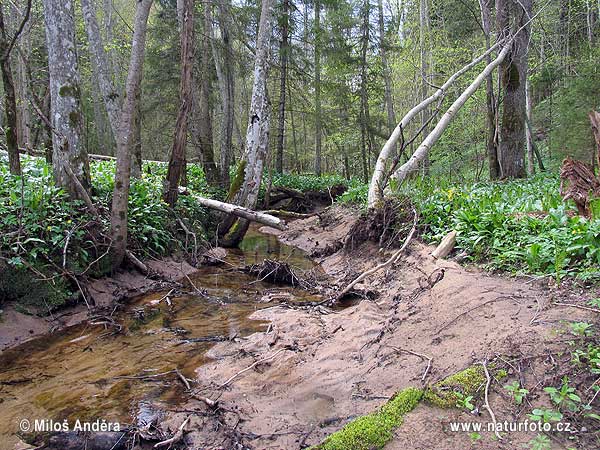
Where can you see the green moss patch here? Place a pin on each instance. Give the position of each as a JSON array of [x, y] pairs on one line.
[[374, 430], [447, 392]]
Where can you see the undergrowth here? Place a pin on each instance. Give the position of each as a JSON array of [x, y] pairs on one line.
[[45, 234]]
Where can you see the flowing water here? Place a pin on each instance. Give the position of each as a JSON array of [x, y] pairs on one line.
[[87, 373]]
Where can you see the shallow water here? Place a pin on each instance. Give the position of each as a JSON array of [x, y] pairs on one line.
[[86, 372]]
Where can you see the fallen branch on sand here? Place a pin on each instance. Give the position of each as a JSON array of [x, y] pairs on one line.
[[585, 308], [389, 262], [486, 405], [269, 358], [176, 437], [240, 211], [420, 355]]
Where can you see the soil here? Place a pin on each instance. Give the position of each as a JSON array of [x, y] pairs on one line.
[[18, 326], [323, 367]]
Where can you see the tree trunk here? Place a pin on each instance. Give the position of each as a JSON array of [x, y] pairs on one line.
[[101, 67], [317, 87], [283, 58], [10, 101], [227, 88], [387, 75], [379, 179], [257, 135], [413, 163], [118, 218], [528, 133], [177, 160], [513, 77], [203, 128], [491, 143], [70, 162], [364, 98]]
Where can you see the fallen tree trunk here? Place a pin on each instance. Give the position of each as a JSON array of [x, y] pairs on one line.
[[378, 181], [419, 155], [240, 211]]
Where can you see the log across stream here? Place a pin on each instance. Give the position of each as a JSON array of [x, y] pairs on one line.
[[86, 373]]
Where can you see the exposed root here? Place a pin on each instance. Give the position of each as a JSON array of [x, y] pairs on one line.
[[383, 225], [578, 183], [274, 272]]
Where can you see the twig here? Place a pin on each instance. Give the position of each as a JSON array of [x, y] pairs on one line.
[[176, 437], [420, 355], [487, 403], [471, 310], [208, 401], [390, 261], [585, 308], [183, 379], [251, 366]]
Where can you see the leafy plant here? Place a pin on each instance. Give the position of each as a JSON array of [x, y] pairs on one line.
[[581, 328], [545, 415], [565, 396], [516, 391], [464, 401], [540, 442]]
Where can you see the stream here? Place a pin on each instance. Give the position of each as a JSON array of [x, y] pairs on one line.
[[86, 372]]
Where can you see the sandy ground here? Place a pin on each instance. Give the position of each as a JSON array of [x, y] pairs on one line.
[[314, 370], [17, 327]]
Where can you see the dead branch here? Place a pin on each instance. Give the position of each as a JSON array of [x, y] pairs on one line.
[[389, 262], [176, 437], [471, 310], [183, 379], [420, 355], [486, 405], [585, 308], [269, 358]]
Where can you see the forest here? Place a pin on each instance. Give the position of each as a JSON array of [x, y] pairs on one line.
[[288, 224]]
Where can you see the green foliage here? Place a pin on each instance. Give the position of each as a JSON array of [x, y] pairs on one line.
[[516, 391], [589, 356], [308, 182], [356, 194], [42, 228], [517, 226], [458, 389], [374, 430], [564, 396], [545, 415], [581, 328], [540, 442]]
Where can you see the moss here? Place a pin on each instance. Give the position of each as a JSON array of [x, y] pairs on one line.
[[374, 430], [446, 393], [501, 374], [237, 181], [21, 286]]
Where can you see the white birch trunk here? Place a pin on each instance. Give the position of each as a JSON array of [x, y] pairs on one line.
[[413, 163], [378, 179]]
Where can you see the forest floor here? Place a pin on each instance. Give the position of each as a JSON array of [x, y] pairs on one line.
[[324, 367]]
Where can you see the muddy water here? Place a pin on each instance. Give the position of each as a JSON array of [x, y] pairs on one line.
[[88, 373]]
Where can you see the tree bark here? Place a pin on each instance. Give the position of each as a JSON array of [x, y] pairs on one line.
[[177, 160], [491, 144], [257, 135], [283, 59], [10, 100], [421, 152], [118, 218], [69, 155], [513, 77], [318, 132]]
